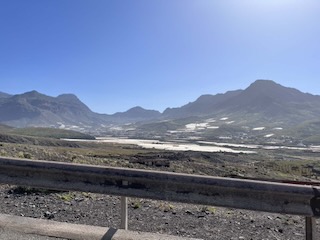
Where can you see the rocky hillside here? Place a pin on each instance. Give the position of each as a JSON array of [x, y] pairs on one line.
[[204, 105], [264, 102], [264, 111], [4, 95], [36, 109], [135, 114]]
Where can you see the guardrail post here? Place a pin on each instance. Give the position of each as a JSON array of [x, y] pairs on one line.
[[124, 209], [124, 213], [311, 228]]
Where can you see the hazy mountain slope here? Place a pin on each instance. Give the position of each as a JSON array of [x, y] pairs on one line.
[[4, 95], [305, 129], [17, 107], [135, 114], [204, 105], [263, 110], [4, 128], [49, 133], [36, 109], [263, 100], [273, 101]]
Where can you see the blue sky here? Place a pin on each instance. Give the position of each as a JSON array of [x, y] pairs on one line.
[[117, 54]]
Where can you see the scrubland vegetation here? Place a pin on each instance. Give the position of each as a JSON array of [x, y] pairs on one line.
[[269, 164], [207, 222]]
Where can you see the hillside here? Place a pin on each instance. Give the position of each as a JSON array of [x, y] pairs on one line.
[[33, 109], [4, 95], [264, 103], [263, 97], [265, 111], [274, 101], [50, 133], [5, 128], [135, 114], [204, 105], [36, 109]]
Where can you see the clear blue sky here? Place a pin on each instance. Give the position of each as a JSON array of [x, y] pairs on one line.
[[117, 54]]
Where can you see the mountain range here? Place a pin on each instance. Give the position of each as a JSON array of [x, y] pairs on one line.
[[264, 101]]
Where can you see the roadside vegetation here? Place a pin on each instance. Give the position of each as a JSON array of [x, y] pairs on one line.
[[161, 216], [50, 133], [265, 164]]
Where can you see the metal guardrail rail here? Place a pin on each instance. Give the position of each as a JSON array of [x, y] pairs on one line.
[[255, 195]]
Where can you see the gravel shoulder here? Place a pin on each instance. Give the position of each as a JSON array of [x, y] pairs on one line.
[[185, 220]]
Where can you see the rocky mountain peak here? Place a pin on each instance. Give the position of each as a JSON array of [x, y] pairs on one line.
[[263, 99], [138, 113], [269, 89], [68, 97]]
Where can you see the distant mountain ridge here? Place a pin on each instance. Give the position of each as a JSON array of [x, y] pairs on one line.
[[270, 96], [264, 112], [204, 105], [262, 101], [137, 113], [263, 98], [36, 109], [4, 95]]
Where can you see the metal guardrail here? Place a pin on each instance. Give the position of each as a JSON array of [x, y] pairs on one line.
[[255, 195]]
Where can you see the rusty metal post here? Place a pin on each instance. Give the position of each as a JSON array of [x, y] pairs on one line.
[[311, 228], [124, 213]]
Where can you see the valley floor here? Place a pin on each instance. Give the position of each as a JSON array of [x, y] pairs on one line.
[[207, 222]]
